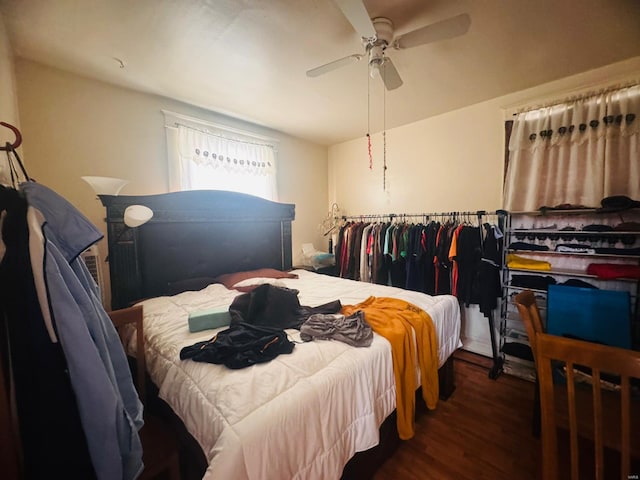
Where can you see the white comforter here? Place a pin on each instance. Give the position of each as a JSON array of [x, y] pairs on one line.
[[301, 415]]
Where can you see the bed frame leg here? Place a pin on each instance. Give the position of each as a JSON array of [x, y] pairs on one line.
[[446, 379]]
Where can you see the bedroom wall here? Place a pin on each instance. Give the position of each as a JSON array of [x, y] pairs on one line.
[[8, 97], [74, 126], [452, 162]]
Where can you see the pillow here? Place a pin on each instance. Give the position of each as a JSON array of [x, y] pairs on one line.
[[207, 319], [230, 279], [189, 284]]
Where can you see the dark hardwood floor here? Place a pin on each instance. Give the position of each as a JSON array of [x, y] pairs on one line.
[[482, 432]]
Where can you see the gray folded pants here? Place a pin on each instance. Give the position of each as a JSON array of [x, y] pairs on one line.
[[353, 330]]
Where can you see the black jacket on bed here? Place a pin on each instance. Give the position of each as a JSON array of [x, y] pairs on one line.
[[275, 307], [239, 346]]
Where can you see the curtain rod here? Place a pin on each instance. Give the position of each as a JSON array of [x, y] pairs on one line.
[[226, 137], [173, 117], [578, 96]]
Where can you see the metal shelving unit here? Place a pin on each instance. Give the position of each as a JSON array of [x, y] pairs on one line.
[[524, 227]]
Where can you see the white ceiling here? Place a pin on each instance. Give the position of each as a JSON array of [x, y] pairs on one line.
[[247, 58]]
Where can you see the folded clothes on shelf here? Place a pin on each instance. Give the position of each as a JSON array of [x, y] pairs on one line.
[[537, 282], [516, 261], [575, 248], [564, 206], [618, 251], [528, 246], [597, 227], [627, 227], [553, 226], [519, 350], [617, 203], [613, 270], [576, 282]]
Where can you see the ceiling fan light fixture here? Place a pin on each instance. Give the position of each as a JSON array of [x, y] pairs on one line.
[[384, 30], [374, 68]]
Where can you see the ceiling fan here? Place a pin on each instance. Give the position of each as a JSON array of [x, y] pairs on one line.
[[377, 36]]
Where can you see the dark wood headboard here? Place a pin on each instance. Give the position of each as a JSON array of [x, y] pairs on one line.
[[192, 234]]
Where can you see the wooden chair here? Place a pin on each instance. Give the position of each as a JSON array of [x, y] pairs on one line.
[[159, 446], [607, 418], [528, 308]]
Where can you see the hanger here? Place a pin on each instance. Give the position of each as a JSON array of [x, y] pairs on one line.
[[11, 146]]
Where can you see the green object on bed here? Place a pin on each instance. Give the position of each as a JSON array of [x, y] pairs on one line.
[[208, 319]]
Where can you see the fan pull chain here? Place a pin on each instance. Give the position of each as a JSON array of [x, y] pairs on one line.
[[369, 121], [384, 134], [384, 161]]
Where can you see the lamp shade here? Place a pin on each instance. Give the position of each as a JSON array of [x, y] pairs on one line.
[[136, 215], [105, 185]]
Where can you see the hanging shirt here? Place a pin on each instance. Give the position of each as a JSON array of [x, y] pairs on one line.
[[453, 253], [489, 283], [365, 252]]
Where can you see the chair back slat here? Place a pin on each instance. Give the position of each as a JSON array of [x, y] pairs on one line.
[[548, 413], [597, 423], [625, 426], [573, 423]]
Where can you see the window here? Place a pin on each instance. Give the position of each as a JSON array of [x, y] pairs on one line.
[[205, 156]]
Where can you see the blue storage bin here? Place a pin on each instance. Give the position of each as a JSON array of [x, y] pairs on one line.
[[601, 316]]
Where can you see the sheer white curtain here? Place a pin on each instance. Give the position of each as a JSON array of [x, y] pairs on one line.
[[622, 149], [205, 161], [575, 153]]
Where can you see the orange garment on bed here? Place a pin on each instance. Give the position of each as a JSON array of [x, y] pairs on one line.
[[393, 319]]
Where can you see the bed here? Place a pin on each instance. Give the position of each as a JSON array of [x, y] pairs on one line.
[[302, 415]]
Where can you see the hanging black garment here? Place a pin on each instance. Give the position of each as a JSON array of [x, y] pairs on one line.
[[489, 283], [429, 240], [337, 249], [415, 259], [353, 271], [443, 265], [398, 269], [239, 346], [52, 439], [468, 258]]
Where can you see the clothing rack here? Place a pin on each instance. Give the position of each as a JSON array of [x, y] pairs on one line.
[[425, 215], [498, 361]]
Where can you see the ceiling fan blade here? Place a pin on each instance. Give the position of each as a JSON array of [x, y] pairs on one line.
[[358, 16], [390, 75], [449, 28], [327, 67]]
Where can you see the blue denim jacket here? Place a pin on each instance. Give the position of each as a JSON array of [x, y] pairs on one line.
[[110, 411]]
